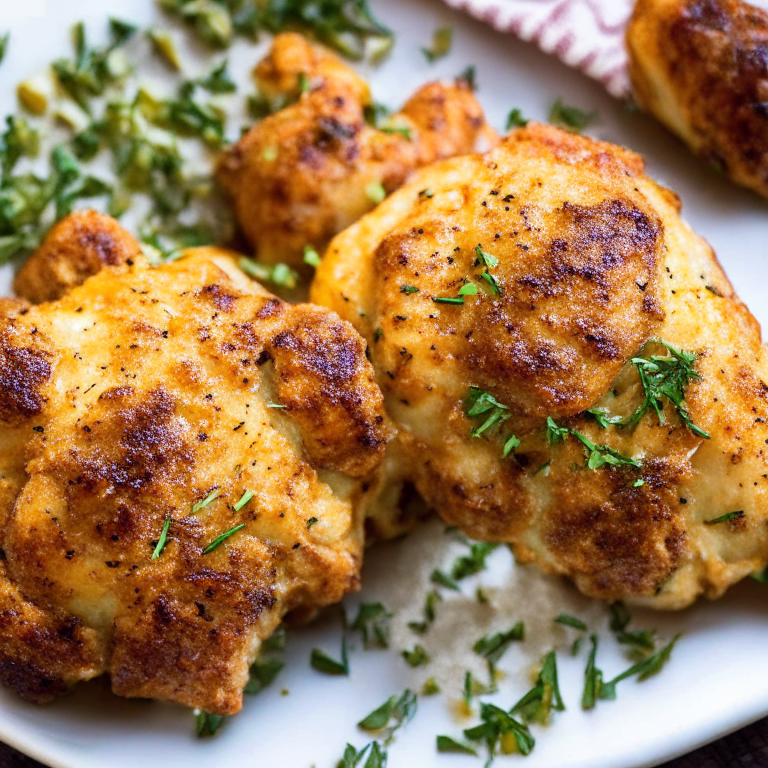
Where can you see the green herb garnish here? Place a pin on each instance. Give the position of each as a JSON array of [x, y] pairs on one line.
[[571, 621], [442, 40], [596, 455], [208, 724], [311, 256], [222, 537], [92, 69], [572, 118], [496, 725], [262, 673], [408, 289], [469, 77], [311, 522], [545, 696], [373, 621], [4, 45], [322, 662], [244, 499], [493, 647], [394, 713], [727, 517], [438, 577], [515, 119], [416, 657], [280, 275], [448, 744], [377, 757], [666, 378], [161, 541], [211, 497]]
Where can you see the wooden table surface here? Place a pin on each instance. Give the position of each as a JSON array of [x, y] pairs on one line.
[[747, 748]]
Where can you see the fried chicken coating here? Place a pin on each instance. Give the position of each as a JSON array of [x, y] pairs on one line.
[[182, 462], [514, 300], [74, 249], [701, 67], [315, 167]]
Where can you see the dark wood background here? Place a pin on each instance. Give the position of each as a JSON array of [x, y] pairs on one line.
[[747, 748]]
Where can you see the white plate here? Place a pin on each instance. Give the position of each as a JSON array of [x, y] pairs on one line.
[[715, 681]]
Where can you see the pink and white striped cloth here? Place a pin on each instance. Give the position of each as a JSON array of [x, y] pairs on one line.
[[585, 34]]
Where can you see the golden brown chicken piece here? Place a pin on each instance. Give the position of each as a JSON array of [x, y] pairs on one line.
[[182, 457], [74, 249], [313, 168], [701, 67], [583, 261]]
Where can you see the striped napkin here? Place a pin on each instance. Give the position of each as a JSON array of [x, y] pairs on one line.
[[585, 34]]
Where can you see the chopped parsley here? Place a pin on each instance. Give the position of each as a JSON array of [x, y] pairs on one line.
[[515, 119], [474, 562], [478, 404], [322, 662], [280, 275], [448, 744], [210, 498], [572, 118], [468, 77], [162, 540], [602, 455], [347, 26], [595, 687], [311, 257], [545, 696], [442, 40], [426, 193], [311, 521], [493, 647], [727, 517], [596, 455], [377, 756], [666, 378], [93, 69], [416, 657], [603, 418], [4, 45], [218, 80], [430, 688], [430, 612], [222, 537], [373, 620], [244, 499], [571, 621], [474, 687], [408, 289], [497, 725], [403, 130], [262, 673], [207, 723], [375, 192], [394, 713], [468, 289]]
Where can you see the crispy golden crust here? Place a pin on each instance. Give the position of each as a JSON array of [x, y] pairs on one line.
[[125, 403], [701, 66], [79, 246], [593, 262], [301, 175]]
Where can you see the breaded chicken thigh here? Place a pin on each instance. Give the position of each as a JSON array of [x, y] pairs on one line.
[[518, 318], [313, 168], [701, 67], [182, 457]]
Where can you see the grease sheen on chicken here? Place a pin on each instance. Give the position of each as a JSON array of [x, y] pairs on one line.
[[138, 395], [593, 263], [313, 168]]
